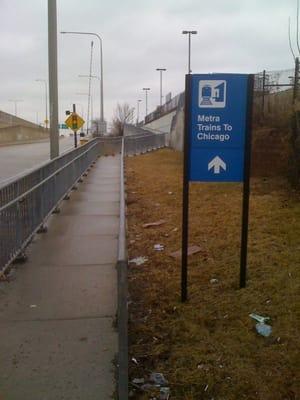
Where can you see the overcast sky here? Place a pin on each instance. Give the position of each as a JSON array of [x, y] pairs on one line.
[[138, 36]]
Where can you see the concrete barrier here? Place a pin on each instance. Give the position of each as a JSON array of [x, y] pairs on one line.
[[22, 134]]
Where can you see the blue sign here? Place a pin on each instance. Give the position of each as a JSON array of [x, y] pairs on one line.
[[217, 127]]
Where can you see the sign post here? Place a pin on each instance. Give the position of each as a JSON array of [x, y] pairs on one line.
[[74, 122], [185, 189], [217, 144], [246, 186]]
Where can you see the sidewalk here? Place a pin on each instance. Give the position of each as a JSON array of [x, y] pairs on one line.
[[57, 339]]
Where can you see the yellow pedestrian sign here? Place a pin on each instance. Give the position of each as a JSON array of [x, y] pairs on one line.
[[74, 121]]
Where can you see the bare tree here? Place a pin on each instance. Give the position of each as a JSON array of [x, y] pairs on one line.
[[123, 114]]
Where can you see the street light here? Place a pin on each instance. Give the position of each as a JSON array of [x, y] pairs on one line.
[[138, 111], [46, 99], [189, 59], [160, 73], [101, 69], [53, 85], [16, 102], [146, 93]]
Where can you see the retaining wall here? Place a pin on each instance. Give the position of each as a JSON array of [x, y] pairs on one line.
[[22, 134]]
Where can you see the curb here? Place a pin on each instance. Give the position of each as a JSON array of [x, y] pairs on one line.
[[122, 270]]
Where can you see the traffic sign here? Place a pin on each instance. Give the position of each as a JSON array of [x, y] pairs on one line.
[[74, 121], [217, 127], [63, 126]]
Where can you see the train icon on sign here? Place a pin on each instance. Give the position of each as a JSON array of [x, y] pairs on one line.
[[212, 94]]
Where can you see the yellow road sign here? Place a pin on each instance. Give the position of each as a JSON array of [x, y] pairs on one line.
[[74, 121]]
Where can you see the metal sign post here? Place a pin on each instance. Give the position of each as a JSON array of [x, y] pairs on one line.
[[75, 127], [74, 122], [246, 186], [217, 144], [185, 191]]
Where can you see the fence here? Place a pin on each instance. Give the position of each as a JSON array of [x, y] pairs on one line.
[[162, 110], [275, 92], [142, 144], [26, 202]]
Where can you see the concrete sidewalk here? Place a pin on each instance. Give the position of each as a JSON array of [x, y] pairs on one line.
[[57, 339]]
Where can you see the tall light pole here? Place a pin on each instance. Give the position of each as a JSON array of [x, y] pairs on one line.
[[90, 81], [46, 99], [189, 56], [101, 70], [138, 111], [15, 101], [160, 73], [146, 103], [53, 87], [91, 99]]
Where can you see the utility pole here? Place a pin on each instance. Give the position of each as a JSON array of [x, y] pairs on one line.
[[53, 91], [138, 111], [160, 73], [15, 101], [146, 93], [296, 80], [89, 92]]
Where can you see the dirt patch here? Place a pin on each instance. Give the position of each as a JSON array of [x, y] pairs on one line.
[[208, 348]]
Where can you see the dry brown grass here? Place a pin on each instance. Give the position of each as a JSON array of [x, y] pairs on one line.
[[208, 348]]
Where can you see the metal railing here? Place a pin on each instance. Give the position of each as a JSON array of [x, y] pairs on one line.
[[164, 109], [133, 144], [122, 269], [141, 144], [26, 202], [15, 188]]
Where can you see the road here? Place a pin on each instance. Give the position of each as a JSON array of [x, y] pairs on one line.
[[16, 159]]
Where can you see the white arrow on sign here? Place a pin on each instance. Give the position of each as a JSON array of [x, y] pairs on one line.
[[217, 163]]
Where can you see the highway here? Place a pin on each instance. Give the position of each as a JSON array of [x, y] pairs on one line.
[[16, 159]]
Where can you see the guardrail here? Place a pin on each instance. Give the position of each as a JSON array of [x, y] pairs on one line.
[[27, 202]]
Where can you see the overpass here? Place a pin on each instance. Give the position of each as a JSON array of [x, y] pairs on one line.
[[168, 119], [17, 130], [66, 220]]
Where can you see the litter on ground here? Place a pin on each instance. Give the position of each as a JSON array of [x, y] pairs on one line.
[[156, 223], [259, 318], [139, 260], [191, 250], [263, 329]]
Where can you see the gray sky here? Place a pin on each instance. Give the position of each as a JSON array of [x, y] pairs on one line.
[[138, 36]]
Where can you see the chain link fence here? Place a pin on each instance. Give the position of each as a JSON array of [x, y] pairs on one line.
[[275, 92]]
